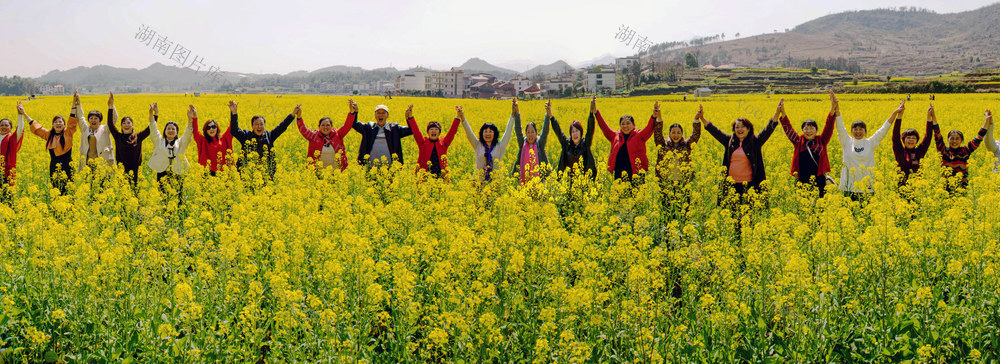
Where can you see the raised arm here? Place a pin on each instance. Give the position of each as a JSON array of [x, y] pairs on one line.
[[19, 134], [696, 127], [978, 140], [411, 122], [74, 117], [926, 143], [234, 123], [719, 135], [608, 133], [544, 136], [469, 134], [590, 128], [195, 133], [559, 134], [310, 135], [938, 140], [186, 137], [647, 132], [517, 125], [658, 133], [882, 131], [897, 143], [507, 133], [112, 116], [991, 144], [352, 115], [280, 129], [451, 132], [154, 113], [772, 124], [786, 124], [35, 127]]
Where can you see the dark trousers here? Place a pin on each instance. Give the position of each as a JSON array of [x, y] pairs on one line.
[[172, 180], [814, 183], [60, 172]]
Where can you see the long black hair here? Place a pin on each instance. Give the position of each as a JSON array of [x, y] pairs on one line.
[[496, 135], [169, 123], [52, 133]]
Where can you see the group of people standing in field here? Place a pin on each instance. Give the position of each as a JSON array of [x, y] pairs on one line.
[[381, 145]]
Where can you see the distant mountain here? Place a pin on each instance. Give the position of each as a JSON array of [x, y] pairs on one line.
[[476, 65], [908, 42], [157, 75], [555, 68], [606, 58]]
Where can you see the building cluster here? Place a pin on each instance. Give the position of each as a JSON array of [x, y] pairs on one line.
[[459, 84]]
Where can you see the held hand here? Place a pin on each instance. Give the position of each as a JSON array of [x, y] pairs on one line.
[[989, 119], [297, 111], [548, 109], [76, 97], [900, 109], [409, 112], [154, 109], [834, 103], [593, 104], [351, 106], [700, 115], [513, 108], [192, 113], [930, 114], [20, 108], [459, 113], [656, 110], [232, 107], [111, 101], [781, 109]]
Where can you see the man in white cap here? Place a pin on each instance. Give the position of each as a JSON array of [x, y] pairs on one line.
[[380, 141]]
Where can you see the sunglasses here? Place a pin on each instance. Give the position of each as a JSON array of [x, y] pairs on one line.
[[210, 127]]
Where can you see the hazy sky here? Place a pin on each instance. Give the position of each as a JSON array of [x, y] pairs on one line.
[[289, 35]]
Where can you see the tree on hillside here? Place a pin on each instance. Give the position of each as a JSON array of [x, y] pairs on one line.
[[690, 60]]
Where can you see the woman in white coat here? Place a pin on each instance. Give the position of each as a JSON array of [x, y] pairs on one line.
[[991, 144], [859, 156], [490, 149], [169, 160]]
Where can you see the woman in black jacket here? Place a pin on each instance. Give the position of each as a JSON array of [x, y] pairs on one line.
[[743, 159], [576, 154], [128, 142]]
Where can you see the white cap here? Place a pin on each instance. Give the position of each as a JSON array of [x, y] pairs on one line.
[[382, 107]]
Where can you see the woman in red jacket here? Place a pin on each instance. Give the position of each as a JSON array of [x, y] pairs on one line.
[[213, 148], [810, 162], [10, 144], [325, 144], [433, 148], [625, 162]]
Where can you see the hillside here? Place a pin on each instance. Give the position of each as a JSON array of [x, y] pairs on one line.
[[886, 42]]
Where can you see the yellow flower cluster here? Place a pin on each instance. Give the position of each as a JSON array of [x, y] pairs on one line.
[[353, 267]]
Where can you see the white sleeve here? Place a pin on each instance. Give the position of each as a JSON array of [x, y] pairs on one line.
[[991, 144], [842, 134], [20, 127], [880, 133], [186, 138], [154, 132], [507, 133], [469, 134]]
